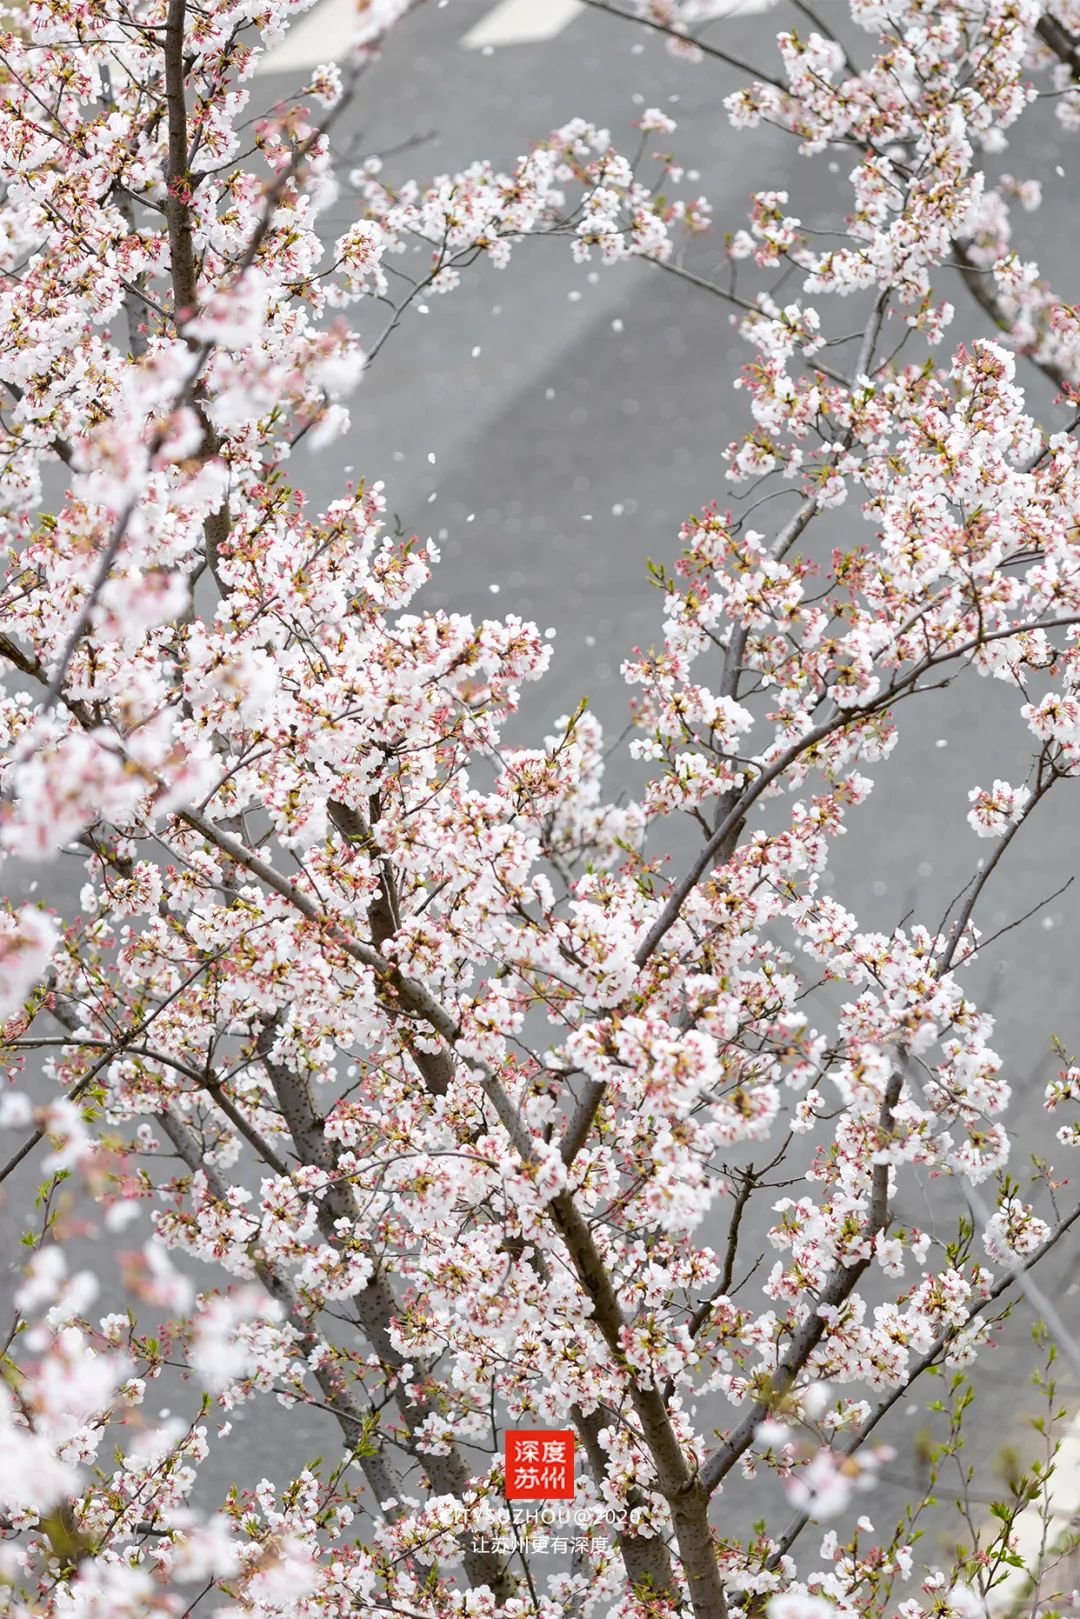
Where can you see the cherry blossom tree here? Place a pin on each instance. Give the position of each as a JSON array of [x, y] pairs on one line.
[[440, 1102]]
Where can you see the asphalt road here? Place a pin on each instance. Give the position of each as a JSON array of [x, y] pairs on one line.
[[552, 428]]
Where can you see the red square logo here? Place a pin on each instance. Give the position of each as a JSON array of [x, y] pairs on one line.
[[539, 1464]]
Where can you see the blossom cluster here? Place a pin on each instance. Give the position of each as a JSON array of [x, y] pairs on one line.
[[404, 1038]]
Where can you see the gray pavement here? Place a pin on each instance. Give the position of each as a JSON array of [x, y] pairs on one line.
[[570, 448]]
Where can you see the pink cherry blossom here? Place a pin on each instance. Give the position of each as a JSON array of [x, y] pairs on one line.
[[417, 1074]]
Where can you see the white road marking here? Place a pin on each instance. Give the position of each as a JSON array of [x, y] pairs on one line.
[[741, 8], [520, 22], [320, 35], [323, 34], [715, 10]]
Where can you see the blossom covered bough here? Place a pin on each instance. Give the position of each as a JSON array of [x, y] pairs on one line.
[[407, 1036]]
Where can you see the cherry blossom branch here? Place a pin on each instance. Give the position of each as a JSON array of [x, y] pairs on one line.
[[1018, 921], [213, 1088], [747, 1182], [657, 27], [217, 524], [89, 603], [1020, 1273], [673, 268], [436, 1067], [706, 857], [60, 445], [960, 925], [1063, 44], [931, 1358], [645, 1557], [120, 1044], [33, 667], [687, 1499], [839, 1287], [841, 717], [683, 1488], [591, 1272], [352, 1419], [177, 176], [1048, 29], [374, 1303], [977, 283]]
